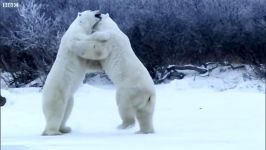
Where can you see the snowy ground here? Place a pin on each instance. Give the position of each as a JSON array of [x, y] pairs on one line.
[[191, 114]]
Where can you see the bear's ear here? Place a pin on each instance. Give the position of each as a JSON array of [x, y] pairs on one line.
[[79, 14], [105, 15]]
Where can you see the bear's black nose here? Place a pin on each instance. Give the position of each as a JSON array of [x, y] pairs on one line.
[[98, 15]]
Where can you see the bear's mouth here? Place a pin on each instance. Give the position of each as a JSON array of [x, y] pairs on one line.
[[95, 25]]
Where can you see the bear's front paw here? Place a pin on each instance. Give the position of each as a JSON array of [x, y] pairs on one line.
[[65, 129], [51, 133], [80, 52]]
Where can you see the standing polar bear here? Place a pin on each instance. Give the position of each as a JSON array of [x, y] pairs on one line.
[[108, 48], [135, 89], [67, 73]]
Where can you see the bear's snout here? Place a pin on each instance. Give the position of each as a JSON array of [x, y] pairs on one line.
[[98, 15]]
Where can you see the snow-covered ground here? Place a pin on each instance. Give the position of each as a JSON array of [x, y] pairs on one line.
[[202, 113]]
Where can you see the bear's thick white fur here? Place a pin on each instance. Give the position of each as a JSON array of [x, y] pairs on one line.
[[135, 89], [66, 74]]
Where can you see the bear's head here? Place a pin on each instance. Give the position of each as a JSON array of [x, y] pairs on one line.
[[88, 19], [105, 23]]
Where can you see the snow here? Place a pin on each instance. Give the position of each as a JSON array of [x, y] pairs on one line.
[[202, 113]]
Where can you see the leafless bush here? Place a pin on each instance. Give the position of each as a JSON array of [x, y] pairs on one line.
[[162, 32], [32, 42]]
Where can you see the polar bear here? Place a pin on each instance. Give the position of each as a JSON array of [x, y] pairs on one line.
[[135, 89], [67, 73]]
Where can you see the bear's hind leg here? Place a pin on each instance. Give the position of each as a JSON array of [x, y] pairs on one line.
[[144, 117], [126, 111], [54, 113], [127, 115], [63, 128]]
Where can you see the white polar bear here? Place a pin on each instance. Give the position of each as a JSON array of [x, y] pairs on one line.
[[66, 74], [135, 89]]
